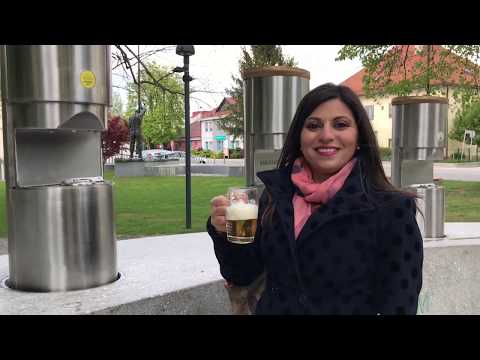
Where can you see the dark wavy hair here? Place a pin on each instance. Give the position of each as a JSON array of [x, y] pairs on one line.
[[368, 154]]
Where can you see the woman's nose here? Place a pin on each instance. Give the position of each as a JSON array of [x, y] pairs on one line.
[[326, 134]]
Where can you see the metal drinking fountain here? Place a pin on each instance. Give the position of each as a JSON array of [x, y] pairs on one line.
[[420, 137], [61, 231], [271, 97]]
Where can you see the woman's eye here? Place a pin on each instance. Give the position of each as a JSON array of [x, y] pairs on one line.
[[341, 125], [312, 126]]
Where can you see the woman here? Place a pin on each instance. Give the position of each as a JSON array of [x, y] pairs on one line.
[[334, 236]]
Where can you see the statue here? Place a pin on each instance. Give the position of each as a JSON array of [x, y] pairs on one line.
[[135, 127]]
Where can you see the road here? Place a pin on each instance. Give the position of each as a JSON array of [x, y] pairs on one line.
[[442, 171], [448, 172]]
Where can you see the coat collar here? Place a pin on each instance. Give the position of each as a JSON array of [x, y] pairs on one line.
[[350, 199]]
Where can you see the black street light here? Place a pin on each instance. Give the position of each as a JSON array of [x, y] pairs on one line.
[[186, 51]]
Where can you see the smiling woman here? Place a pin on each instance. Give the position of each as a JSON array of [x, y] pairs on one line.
[[329, 138], [333, 235]]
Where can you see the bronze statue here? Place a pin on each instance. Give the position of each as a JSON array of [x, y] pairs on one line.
[[136, 137]]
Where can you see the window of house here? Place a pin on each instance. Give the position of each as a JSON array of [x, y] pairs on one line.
[[390, 143], [369, 110], [390, 110], [208, 126]]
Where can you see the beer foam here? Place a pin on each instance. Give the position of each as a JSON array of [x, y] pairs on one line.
[[242, 211]]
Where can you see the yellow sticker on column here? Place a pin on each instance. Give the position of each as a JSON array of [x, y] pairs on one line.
[[87, 79]]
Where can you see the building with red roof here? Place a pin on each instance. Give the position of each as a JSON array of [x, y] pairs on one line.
[[380, 110], [206, 134]]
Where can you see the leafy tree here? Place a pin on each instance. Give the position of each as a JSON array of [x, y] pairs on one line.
[[117, 104], [129, 59], [163, 120], [468, 119], [259, 55], [404, 69], [114, 137]]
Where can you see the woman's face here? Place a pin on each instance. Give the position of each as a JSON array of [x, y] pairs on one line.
[[329, 138]]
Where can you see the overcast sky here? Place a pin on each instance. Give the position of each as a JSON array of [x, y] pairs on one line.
[[212, 67]]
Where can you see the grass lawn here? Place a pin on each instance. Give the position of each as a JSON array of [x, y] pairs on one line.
[[462, 201], [156, 205]]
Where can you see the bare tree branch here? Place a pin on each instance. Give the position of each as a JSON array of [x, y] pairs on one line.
[[143, 55], [127, 59], [203, 101]]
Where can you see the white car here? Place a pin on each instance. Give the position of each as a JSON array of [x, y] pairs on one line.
[[156, 154]]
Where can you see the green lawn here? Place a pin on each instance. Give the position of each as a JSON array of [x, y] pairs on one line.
[[156, 205], [462, 201]]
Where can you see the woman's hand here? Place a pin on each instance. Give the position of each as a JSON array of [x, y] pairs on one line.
[[218, 212]]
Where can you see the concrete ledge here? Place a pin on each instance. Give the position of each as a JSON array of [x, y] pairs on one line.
[[451, 277], [153, 168], [223, 170], [466, 164], [178, 274], [175, 274]]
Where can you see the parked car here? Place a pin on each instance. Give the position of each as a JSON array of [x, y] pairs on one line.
[[157, 154]]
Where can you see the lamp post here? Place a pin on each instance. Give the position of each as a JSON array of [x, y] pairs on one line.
[[186, 51]]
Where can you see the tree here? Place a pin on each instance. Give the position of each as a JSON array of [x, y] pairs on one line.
[[163, 120], [114, 137], [261, 55], [126, 59], [468, 119], [117, 104], [404, 69]]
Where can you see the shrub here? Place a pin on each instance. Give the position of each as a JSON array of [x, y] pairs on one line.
[[236, 153], [114, 137]]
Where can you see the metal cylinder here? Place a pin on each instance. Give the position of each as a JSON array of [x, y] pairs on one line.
[[271, 97], [431, 214], [48, 85], [61, 231], [65, 237], [419, 133], [420, 126]]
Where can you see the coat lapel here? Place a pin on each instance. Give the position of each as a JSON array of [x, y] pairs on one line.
[[280, 186]]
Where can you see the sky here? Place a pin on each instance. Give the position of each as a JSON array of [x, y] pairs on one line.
[[212, 67]]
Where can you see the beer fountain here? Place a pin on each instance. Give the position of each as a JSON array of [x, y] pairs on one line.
[[271, 97], [61, 231], [420, 137]]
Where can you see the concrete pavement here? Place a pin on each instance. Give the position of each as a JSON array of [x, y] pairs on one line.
[[179, 274], [448, 171]]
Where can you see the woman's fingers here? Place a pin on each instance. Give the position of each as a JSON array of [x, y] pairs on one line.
[[218, 211]]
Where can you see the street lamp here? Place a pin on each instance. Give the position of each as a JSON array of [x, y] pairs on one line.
[[186, 51]]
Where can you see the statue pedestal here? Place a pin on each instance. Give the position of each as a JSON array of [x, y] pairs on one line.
[[146, 168]]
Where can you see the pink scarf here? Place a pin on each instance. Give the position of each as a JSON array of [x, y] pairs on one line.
[[315, 193]]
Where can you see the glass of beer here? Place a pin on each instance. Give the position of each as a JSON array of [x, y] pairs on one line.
[[242, 214]]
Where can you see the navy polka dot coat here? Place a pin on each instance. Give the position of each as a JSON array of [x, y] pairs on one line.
[[360, 253]]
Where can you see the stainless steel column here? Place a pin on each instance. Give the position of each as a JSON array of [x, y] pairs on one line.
[[271, 96], [419, 137], [61, 231]]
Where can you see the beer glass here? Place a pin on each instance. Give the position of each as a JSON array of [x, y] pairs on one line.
[[242, 214]]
